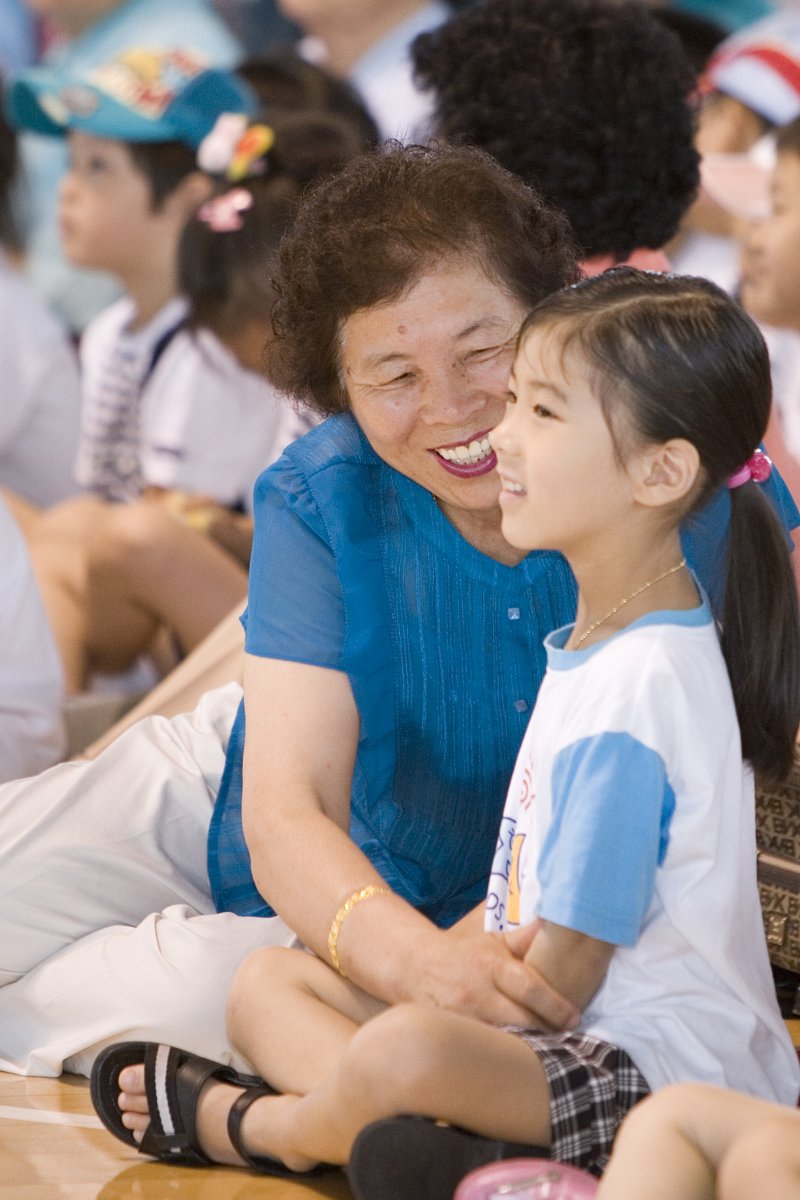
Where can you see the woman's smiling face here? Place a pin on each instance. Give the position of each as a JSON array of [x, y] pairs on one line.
[[427, 380]]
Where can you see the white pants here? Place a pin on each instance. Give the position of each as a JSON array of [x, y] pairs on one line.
[[107, 927]]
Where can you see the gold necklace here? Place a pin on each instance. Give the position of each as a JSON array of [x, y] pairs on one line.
[[638, 592]]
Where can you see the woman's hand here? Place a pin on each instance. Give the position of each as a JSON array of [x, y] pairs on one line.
[[483, 975]]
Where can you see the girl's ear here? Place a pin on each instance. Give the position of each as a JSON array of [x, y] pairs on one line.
[[666, 473]]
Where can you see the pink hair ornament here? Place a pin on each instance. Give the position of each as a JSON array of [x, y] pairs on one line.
[[758, 468], [223, 213]]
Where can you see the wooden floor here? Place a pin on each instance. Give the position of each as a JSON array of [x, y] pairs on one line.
[[52, 1147]]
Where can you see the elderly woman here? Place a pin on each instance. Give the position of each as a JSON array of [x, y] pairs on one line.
[[394, 653]]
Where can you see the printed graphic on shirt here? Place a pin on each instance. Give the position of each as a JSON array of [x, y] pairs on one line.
[[526, 793], [496, 898], [514, 883]]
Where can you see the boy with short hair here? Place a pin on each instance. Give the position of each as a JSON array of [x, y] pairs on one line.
[[133, 127], [86, 34]]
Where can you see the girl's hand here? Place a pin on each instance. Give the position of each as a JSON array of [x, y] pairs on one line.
[[478, 974]]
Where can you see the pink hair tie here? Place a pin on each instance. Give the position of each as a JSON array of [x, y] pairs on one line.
[[757, 468], [224, 213]]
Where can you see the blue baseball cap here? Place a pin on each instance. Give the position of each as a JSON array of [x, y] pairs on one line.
[[142, 95]]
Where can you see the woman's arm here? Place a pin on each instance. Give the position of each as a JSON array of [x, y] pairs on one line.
[[300, 748]]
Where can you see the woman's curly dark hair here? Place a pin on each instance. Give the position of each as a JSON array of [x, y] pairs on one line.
[[366, 235], [587, 100]]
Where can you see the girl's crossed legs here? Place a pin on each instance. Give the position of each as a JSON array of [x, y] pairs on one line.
[[342, 1060]]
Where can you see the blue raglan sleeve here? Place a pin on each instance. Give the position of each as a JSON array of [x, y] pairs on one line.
[[611, 805]]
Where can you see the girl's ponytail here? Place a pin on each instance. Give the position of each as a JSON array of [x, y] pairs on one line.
[[761, 633]]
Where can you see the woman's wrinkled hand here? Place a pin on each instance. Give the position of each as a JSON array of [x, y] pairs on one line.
[[482, 975]]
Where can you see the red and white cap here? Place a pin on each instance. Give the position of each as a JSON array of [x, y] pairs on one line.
[[760, 67]]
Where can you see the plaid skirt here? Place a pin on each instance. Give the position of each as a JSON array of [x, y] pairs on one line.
[[592, 1086]]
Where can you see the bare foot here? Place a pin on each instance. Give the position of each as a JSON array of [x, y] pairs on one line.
[[266, 1126]]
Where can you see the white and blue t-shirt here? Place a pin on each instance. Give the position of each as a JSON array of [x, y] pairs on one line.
[[630, 818]]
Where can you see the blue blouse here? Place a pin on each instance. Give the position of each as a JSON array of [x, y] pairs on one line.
[[355, 568]]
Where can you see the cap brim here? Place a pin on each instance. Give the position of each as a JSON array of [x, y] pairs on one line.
[[47, 104], [737, 183], [26, 104]]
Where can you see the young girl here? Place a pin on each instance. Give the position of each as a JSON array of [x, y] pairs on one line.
[[625, 865]]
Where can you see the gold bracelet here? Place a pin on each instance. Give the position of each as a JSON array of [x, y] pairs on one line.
[[339, 920]]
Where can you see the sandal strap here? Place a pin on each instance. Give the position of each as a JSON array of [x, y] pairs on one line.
[[173, 1081], [175, 1148], [262, 1163], [239, 1107]]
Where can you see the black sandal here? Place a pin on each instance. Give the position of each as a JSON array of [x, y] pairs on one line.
[[404, 1157], [260, 1162], [173, 1081]]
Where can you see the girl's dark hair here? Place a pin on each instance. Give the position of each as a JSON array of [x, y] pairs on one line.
[[283, 82], [367, 235], [227, 276], [675, 357]]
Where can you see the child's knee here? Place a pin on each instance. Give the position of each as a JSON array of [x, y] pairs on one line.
[[128, 531], [770, 1149], [665, 1109], [394, 1056], [260, 983]]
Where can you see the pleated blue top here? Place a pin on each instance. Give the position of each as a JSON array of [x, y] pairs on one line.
[[355, 568]]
